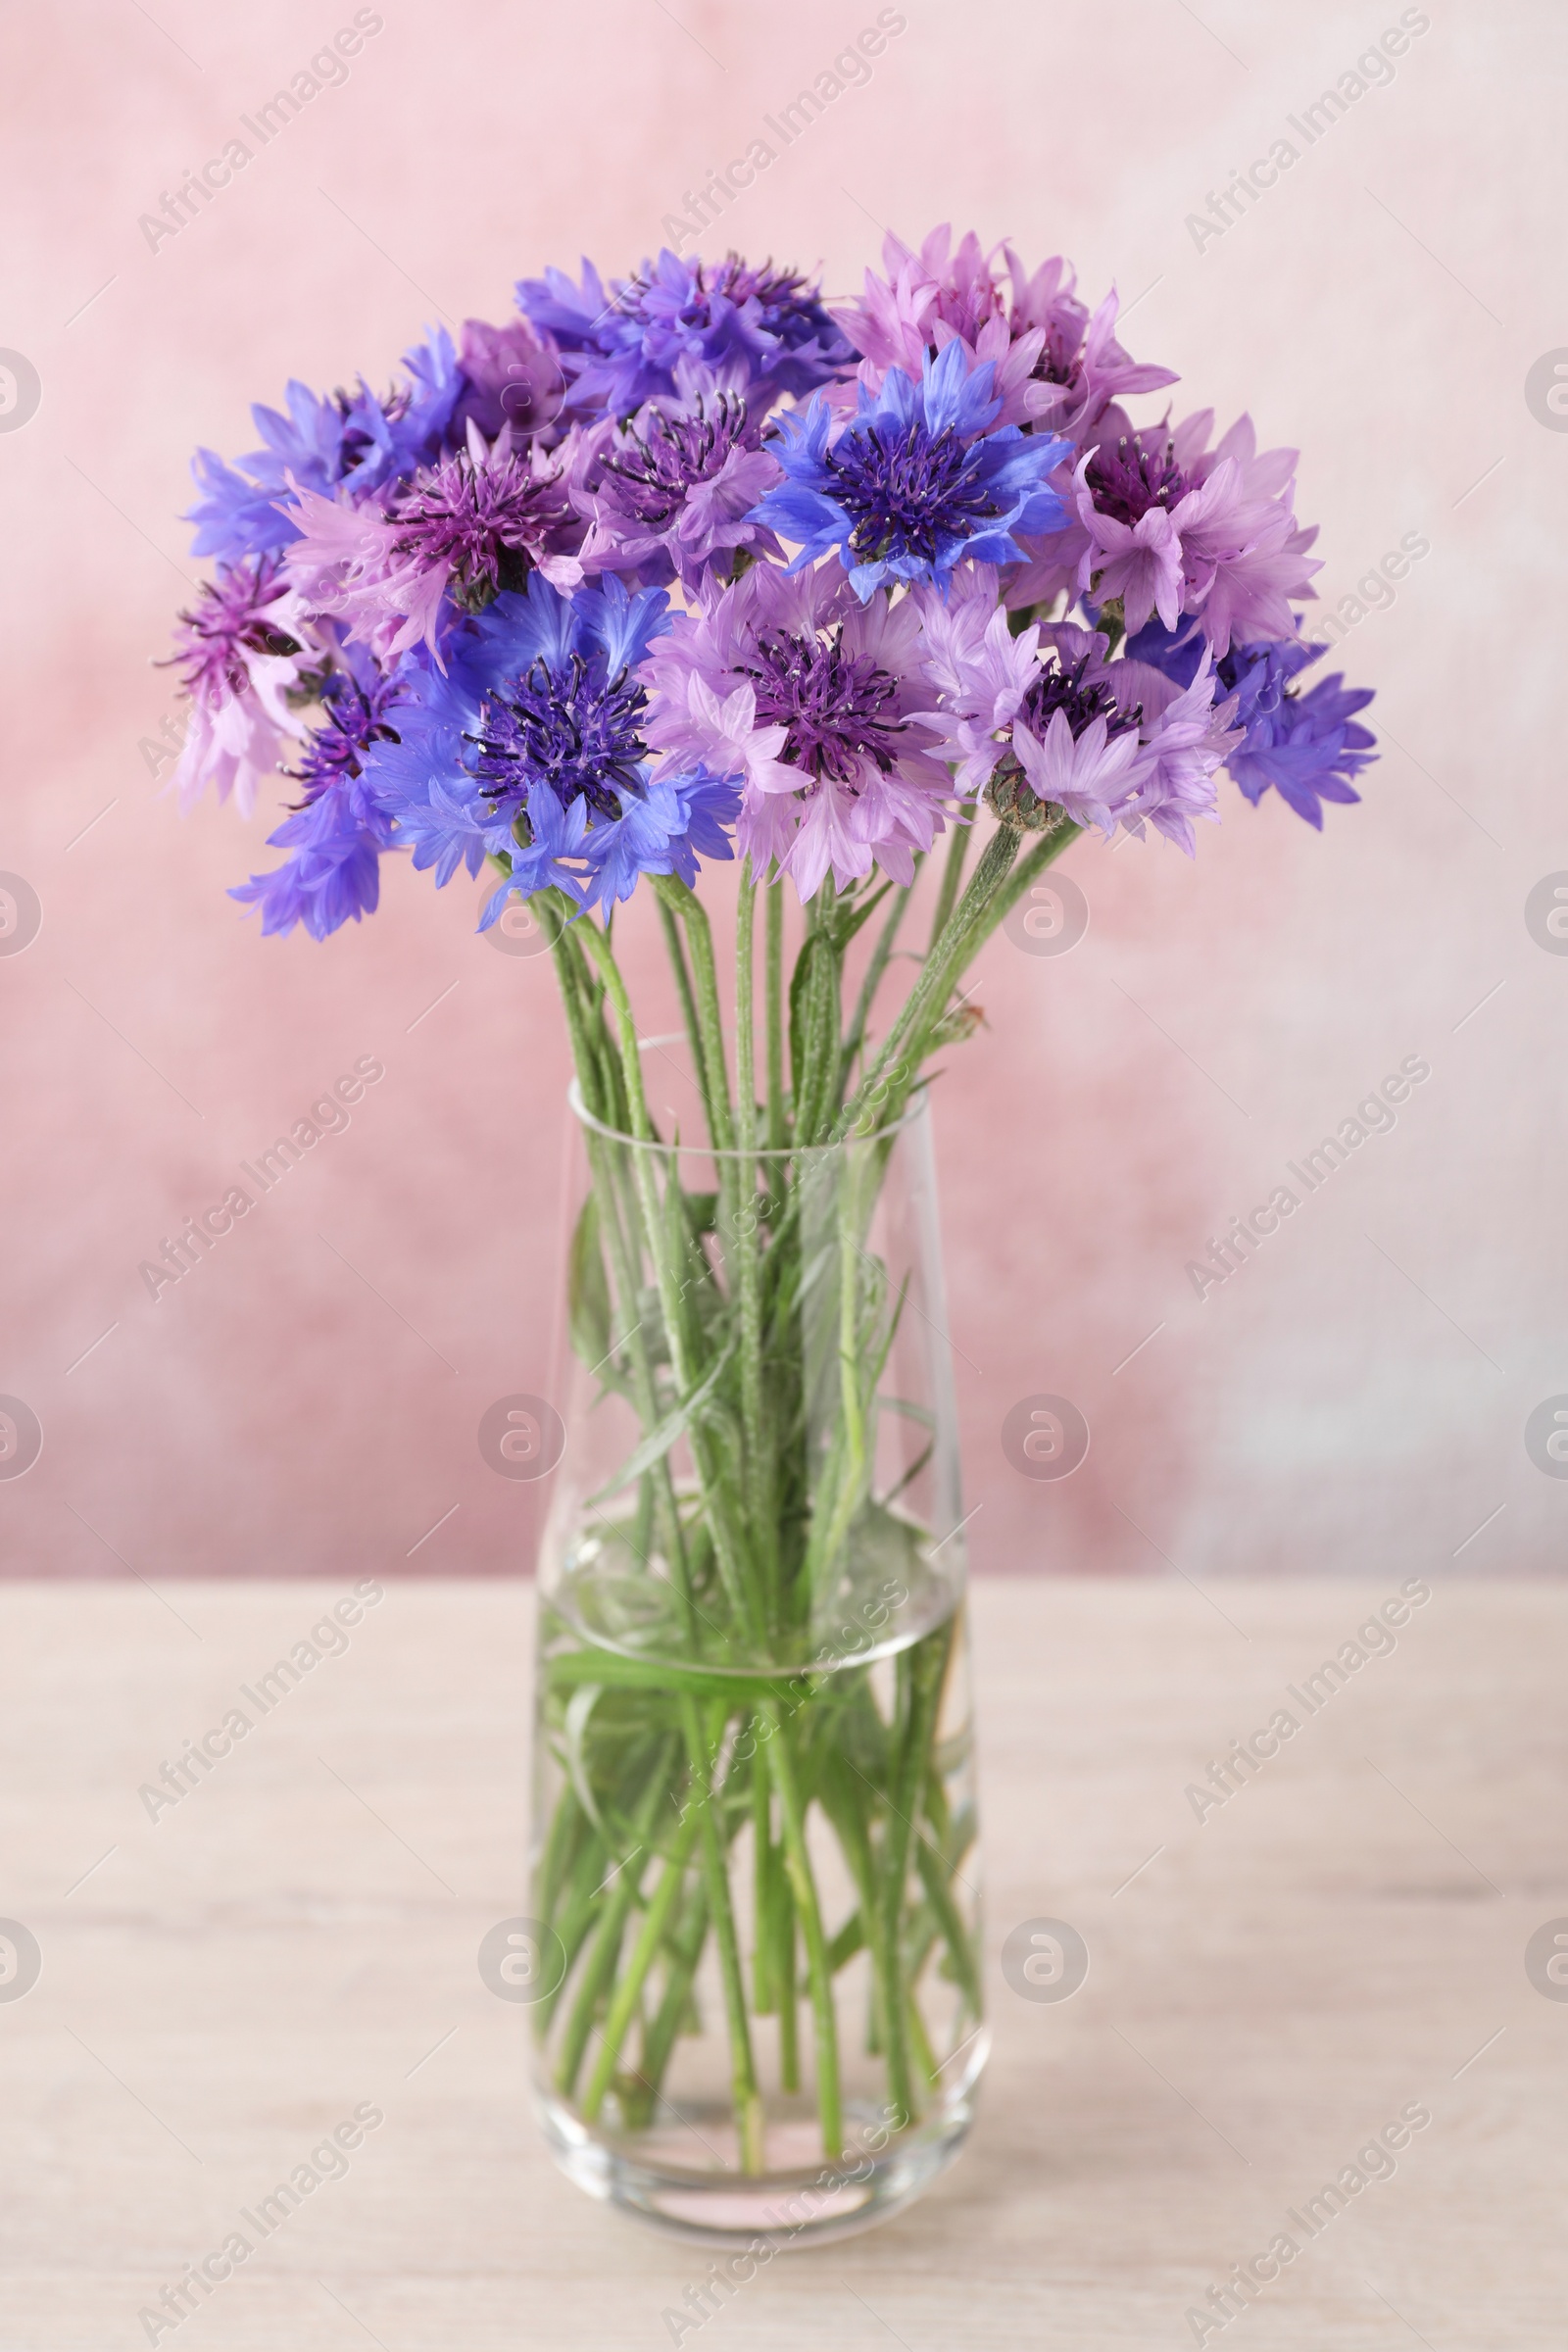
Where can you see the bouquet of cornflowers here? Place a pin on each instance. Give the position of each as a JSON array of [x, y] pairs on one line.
[[693, 568]]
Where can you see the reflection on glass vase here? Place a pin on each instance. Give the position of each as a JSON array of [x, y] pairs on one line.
[[755, 1855]]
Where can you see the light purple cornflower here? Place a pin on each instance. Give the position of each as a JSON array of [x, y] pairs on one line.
[[811, 697], [670, 490], [247, 645], [461, 531]]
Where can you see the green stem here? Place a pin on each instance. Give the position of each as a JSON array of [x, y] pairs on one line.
[[952, 873], [683, 985], [749, 2112], [686, 1952], [881, 955], [669, 1242], [601, 1962], [927, 1671], [673, 895], [628, 1990], [789, 2049], [897, 1064], [745, 1240], [960, 1943], [819, 1974], [764, 1888], [1029, 868], [774, 965]]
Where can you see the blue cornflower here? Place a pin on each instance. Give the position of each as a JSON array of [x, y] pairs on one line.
[[1307, 746], [532, 745], [356, 439], [659, 832], [763, 331], [342, 829], [916, 482]]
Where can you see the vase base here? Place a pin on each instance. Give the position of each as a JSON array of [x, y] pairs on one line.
[[790, 2205]]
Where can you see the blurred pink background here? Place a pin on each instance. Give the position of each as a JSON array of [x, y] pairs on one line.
[[307, 1400]]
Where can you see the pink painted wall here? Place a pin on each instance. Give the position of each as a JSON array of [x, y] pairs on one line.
[[309, 1400]]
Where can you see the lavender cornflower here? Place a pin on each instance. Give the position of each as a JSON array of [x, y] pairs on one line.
[[669, 491], [1173, 527], [1046, 721], [463, 530], [246, 650], [815, 700]]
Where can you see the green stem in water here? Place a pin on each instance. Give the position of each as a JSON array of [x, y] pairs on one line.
[[686, 1950], [749, 2113], [600, 1965], [808, 1911], [789, 2049], [927, 1672], [628, 1990]]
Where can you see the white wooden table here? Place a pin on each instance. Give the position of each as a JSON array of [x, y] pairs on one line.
[[1344, 1938]]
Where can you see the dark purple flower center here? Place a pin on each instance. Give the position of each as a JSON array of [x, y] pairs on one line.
[[354, 721], [1129, 479], [1080, 702], [475, 518], [1057, 363], [838, 708], [907, 492], [654, 468], [570, 724]]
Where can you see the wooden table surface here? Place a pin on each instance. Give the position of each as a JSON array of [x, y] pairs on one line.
[[1340, 1942]]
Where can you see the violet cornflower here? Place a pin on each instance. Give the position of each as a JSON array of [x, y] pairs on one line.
[[1307, 746], [341, 829], [763, 330], [354, 439], [534, 748]]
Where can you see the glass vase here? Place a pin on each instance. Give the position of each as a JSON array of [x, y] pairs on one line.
[[754, 1935]]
